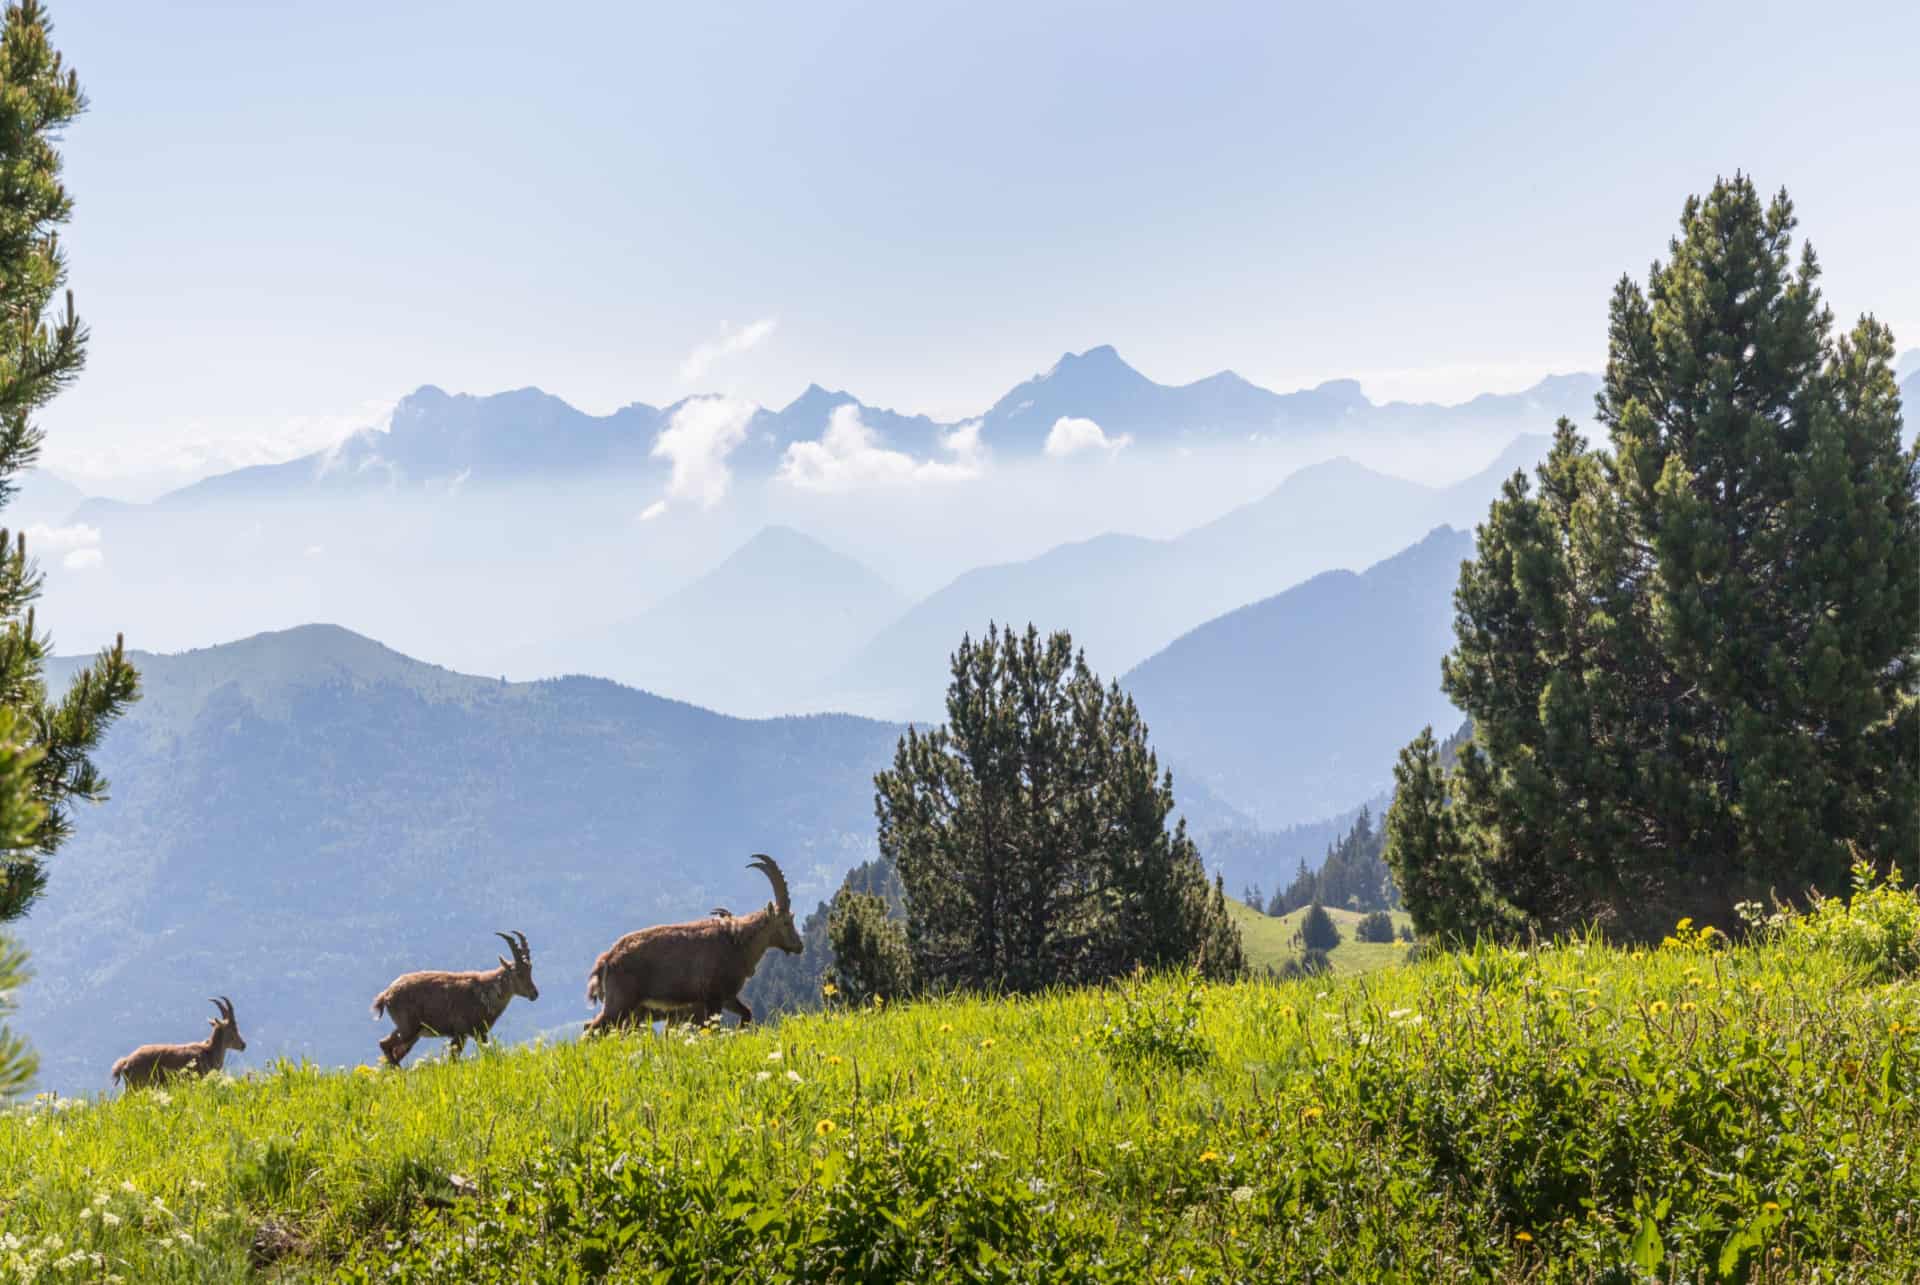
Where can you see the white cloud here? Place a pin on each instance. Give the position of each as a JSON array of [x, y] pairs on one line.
[[850, 456], [653, 510], [83, 559], [1071, 434], [730, 343], [698, 439], [42, 538]]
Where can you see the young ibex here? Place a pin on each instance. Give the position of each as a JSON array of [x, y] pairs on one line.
[[696, 968], [453, 1005], [151, 1063]]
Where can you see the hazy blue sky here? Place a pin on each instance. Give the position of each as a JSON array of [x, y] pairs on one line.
[[289, 215]]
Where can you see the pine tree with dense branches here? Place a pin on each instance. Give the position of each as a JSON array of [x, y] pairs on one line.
[[1030, 832], [1691, 659], [44, 742]]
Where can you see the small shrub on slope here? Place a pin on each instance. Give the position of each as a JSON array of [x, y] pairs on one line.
[[1156, 1026], [1877, 930]]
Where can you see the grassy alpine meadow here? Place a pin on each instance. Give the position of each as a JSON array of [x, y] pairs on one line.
[[1269, 940], [1577, 1112]]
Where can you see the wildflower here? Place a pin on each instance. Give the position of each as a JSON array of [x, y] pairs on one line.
[[987, 1043], [829, 990], [761, 1077], [1523, 1238], [946, 1028], [794, 1077], [774, 1056], [1241, 1195], [1399, 1013], [1209, 1156], [1689, 1007], [1075, 1041], [1771, 1207], [1312, 1113], [160, 1097], [833, 1059], [824, 1127], [109, 1219], [1658, 1007], [1123, 1146]]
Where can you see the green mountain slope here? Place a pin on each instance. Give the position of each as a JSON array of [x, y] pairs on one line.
[[298, 817]]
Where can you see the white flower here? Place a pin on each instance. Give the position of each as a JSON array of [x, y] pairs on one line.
[[1399, 1013], [774, 1056], [762, 1076], [1241, 1195], [794, 1076], [109, 1219], [1123, 1146]]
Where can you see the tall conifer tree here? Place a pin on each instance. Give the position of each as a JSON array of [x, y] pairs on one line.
[[1030, 832], [1690, 660], [44, 743]]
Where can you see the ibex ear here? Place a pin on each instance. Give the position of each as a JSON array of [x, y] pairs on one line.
[[214, 1022]]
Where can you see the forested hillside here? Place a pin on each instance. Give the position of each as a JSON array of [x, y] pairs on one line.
[[301, 816]]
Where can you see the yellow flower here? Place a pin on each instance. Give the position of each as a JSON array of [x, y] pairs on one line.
[[987, 1043], [1075, 1041], [1771, 1207], [1311, 1113], [946, 1028], [1658, 1007], [825, 1127], [1688, 1007], [1523, 1238], [829, 990], [1209, 1156], [833, 1059], [1686, 922]]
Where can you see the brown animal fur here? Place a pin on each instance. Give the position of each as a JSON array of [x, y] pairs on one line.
[[455, 1006], [151, 1063], [695, 969]]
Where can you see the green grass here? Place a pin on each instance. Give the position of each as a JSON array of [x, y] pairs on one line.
[[1578, 1113], [1269, 940]]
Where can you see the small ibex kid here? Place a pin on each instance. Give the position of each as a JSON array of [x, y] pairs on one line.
[[151, 1063]]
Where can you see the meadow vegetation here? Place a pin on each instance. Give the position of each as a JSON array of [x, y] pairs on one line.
[[1691, 1110]]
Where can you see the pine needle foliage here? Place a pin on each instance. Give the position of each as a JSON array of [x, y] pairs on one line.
[[1690, 656], [1030, 832]]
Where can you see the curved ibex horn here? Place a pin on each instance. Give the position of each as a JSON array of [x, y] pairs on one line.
[[517, 947], [223, 1006], [767, 866], [524, 948]]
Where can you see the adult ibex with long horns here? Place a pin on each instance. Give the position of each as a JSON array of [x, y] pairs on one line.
[[454, 1005], [696, 968], [150, 1063]]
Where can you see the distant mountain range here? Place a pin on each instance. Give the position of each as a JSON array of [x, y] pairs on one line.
[[1123, 597], [1296, 706], [440, 439]]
